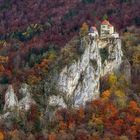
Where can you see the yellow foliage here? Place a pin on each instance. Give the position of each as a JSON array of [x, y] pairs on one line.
[[98, 121], [84, 29], [106, 94], [52, 56], [1, 136], [121, 102], [112, 80], [3, 59], [120, 93], [3, 42], [25, 34], [136, 57], [124, 138]]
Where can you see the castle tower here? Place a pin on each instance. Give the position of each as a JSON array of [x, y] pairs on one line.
[[106, 28]]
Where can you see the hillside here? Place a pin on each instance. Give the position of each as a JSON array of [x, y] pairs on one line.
[[27, 32], [69, 70]]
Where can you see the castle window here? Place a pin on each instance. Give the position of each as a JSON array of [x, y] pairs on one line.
[[103, 26]]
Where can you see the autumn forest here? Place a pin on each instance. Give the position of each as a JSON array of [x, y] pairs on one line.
[[38, 38]]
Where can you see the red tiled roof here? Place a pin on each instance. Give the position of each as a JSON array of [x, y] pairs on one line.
[[94, 28], [106, 22]]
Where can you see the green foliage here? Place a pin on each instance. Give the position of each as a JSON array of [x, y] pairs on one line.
[[70, 14], [104, 54], [27, 34], [125, 1], [37, 125], [70, 52], [6, 5], [88, 1], [105, 17], [130, 43], [4, 79], [36, 55], [15, 47]]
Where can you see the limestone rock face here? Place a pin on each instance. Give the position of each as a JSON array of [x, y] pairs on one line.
[[114, 58], [125, 69], [56, 101], [80, 81], [11, 100]]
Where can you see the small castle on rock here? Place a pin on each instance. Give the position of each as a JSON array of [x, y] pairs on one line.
[[106, 30]]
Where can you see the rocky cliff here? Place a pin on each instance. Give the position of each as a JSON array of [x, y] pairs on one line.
[[11, 100], [80, 82], [75, 83]]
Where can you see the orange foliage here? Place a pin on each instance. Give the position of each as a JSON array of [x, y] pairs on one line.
[[137, 120], [14, 133], [106, 94], [43, 66], [71, 125], [81, 113], [119, 122], [2, 69], [63, 125], [134, 106], [43, 63], [130, 118], [1, 136], [52, 136], [111, 110]]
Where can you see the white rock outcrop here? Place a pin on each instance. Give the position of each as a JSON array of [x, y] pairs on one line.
[[56, 101], [11, 100], [80, 82]]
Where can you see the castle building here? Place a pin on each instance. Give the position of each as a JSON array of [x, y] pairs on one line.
[[106, 28], [93, 31]]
